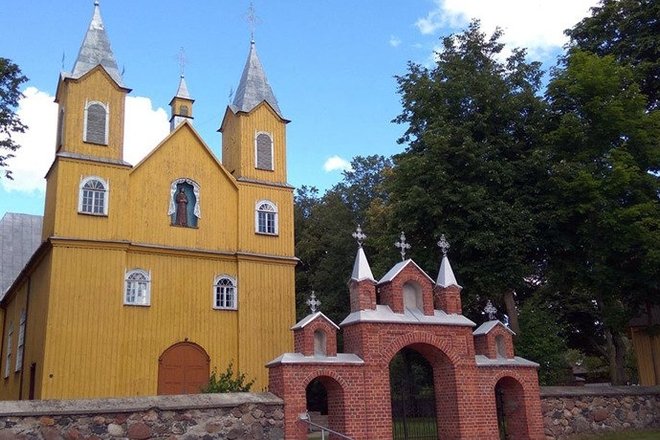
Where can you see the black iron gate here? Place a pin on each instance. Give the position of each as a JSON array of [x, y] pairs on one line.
[[413, 397]]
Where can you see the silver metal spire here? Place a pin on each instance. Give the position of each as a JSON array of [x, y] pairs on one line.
[[95, 50], [253, 89], [401, 244], [490, 310], [443, 244], [359, 235], [182, 90], [313, 303]]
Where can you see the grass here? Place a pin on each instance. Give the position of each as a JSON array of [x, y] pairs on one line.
[[629, 435]]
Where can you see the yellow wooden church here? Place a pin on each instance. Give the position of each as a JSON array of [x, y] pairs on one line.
[[149, 276]]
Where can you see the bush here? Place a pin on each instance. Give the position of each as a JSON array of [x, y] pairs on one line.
[[226, 382]]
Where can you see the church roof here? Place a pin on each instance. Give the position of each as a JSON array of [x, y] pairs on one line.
[[361, 268], [20, 236], [487, 326], [182, 91], [96, 50], [446, 276], [253, 88], [310, 318]]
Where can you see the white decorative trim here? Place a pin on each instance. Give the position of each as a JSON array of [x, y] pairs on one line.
[[172, 209], [106, 197], [106, 107], [256, 217], [215, 284], [272, 151]]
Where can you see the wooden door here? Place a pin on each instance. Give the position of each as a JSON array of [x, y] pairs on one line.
[[183, 369]]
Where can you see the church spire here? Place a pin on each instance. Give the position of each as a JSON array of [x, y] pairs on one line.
[[181, 105], [96, 50], [253, 88]]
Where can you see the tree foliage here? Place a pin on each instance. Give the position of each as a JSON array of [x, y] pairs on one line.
[[629, 31], [11, 79], [228, 381]]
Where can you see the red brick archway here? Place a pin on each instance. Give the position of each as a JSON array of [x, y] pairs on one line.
[[336, 402], [511, 408], [183, 368]]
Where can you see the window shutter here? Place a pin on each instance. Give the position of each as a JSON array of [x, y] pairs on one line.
[[96, 124], [264, 152]]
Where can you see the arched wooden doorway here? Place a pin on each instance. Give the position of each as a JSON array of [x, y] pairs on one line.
[[183, 369]]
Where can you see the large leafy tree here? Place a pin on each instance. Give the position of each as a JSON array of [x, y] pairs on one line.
[[603, 230], [628, 30], [10, 93], [470, 169]]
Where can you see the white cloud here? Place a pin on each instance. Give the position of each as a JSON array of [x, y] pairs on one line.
[[144, 128], [336, 163], [534, 24], [395, 41]]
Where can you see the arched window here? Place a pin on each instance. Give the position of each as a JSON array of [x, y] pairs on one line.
[[412, 297], [93, 196], [137, 290], [263, 145], [266, 218], [183, 110], [225, 295], [500, 346], [320, 343], [96, 123]]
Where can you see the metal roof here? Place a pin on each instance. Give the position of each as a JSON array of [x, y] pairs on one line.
[[384, 313], [311, 317], [398, 267], [182, 91], [487, 326], [20, 236], [446, 276], [253, 89], [483, 361], [95, 50], [299, 358], [361, 268]]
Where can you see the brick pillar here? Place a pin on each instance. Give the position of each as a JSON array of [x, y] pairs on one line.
[[363, 295], [448, 299]]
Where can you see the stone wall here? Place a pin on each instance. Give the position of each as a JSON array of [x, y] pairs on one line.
[[245, 416], [568, 411]]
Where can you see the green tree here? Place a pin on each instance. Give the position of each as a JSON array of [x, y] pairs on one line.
[[470, 169], [228, 381], [603, 229], [629, 31], [10, 83]]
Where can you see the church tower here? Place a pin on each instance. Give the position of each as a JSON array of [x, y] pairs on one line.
[[253, 128], [181, 105], [89, 146]]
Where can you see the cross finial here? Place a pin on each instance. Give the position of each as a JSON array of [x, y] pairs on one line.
[[252, 20], [359, 236], [444, 245], [96, 2], [490, 310], [313, 303], [181, 58], [401, 244]]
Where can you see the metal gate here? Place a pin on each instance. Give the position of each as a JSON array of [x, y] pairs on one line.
[[413, 397]]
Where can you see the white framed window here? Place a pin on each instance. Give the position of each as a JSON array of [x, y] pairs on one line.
[[10, 334], [137, 288], [95, 124], [225, 293], [21, 342], [263, 151], [266, 218], [93, 196]]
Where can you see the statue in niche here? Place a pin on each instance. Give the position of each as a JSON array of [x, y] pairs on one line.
[[181, 208]]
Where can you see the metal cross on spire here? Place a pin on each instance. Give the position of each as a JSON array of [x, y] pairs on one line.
[[252, 20], [490, 310], [359, 236], [444, 245], [181, 58], [313, 303], [401, 244]]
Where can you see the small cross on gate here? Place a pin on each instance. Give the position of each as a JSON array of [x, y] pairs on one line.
[[313, 303], [359, 236], [401, 244], [490, 310], [444, 245]]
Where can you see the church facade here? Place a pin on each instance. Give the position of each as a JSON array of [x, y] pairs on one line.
[[149, 276]]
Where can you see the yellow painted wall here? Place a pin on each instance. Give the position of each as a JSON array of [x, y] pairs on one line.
[[72, 95], [238, 141], [647, 351]]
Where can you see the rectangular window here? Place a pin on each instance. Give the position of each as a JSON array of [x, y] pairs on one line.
[[8, 356], [21, 342]]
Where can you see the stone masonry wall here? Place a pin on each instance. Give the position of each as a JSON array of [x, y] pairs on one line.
[[568, 411], [245, 416]]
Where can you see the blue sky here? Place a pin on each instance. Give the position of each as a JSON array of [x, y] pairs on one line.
[[331, 65]]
